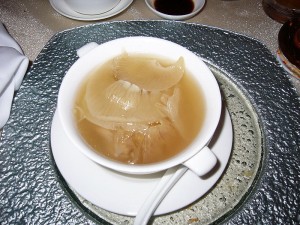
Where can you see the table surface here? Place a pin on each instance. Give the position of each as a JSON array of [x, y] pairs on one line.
[[32, 23]]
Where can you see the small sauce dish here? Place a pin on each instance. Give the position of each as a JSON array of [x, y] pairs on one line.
[[175, 9]]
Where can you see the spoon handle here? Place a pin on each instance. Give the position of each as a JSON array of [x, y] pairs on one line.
[[166, 183]]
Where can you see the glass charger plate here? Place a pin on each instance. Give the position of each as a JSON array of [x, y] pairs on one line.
[[33, 191]]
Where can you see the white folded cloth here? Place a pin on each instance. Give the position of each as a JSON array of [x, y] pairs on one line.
[[13, 66]]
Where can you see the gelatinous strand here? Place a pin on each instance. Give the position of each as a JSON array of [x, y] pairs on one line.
[[169, 105], [128, 146], [148, 73], [135, 108], [122, 104], [142, 146]]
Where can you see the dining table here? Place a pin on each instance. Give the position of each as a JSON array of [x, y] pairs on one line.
[[33, 23], [237, 40]]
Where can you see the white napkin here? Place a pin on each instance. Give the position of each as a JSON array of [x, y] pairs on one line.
[[13, 66]]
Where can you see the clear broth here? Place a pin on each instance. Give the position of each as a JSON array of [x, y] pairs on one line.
[[191, 114]]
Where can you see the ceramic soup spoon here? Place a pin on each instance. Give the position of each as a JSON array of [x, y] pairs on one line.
[[201, 164]]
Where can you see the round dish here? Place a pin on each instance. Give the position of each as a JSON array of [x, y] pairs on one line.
[[198, 5], [124, 194], [61, 7]]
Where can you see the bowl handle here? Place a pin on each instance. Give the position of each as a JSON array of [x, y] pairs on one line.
[[86, 48], [203, 162]]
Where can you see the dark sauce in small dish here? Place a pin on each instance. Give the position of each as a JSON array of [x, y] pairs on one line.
[[174, 7]]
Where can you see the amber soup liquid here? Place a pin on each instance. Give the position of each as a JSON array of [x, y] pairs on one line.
[[191, 111]]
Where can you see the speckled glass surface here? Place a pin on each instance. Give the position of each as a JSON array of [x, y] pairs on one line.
[[32, 190]]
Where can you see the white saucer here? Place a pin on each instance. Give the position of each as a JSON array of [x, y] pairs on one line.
[[124, 194], [61, 7]]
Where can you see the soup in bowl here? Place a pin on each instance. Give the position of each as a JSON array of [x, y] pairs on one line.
[[139, 105]]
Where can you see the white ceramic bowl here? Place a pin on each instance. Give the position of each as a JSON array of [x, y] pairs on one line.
[[147, 45], [198, 5]]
